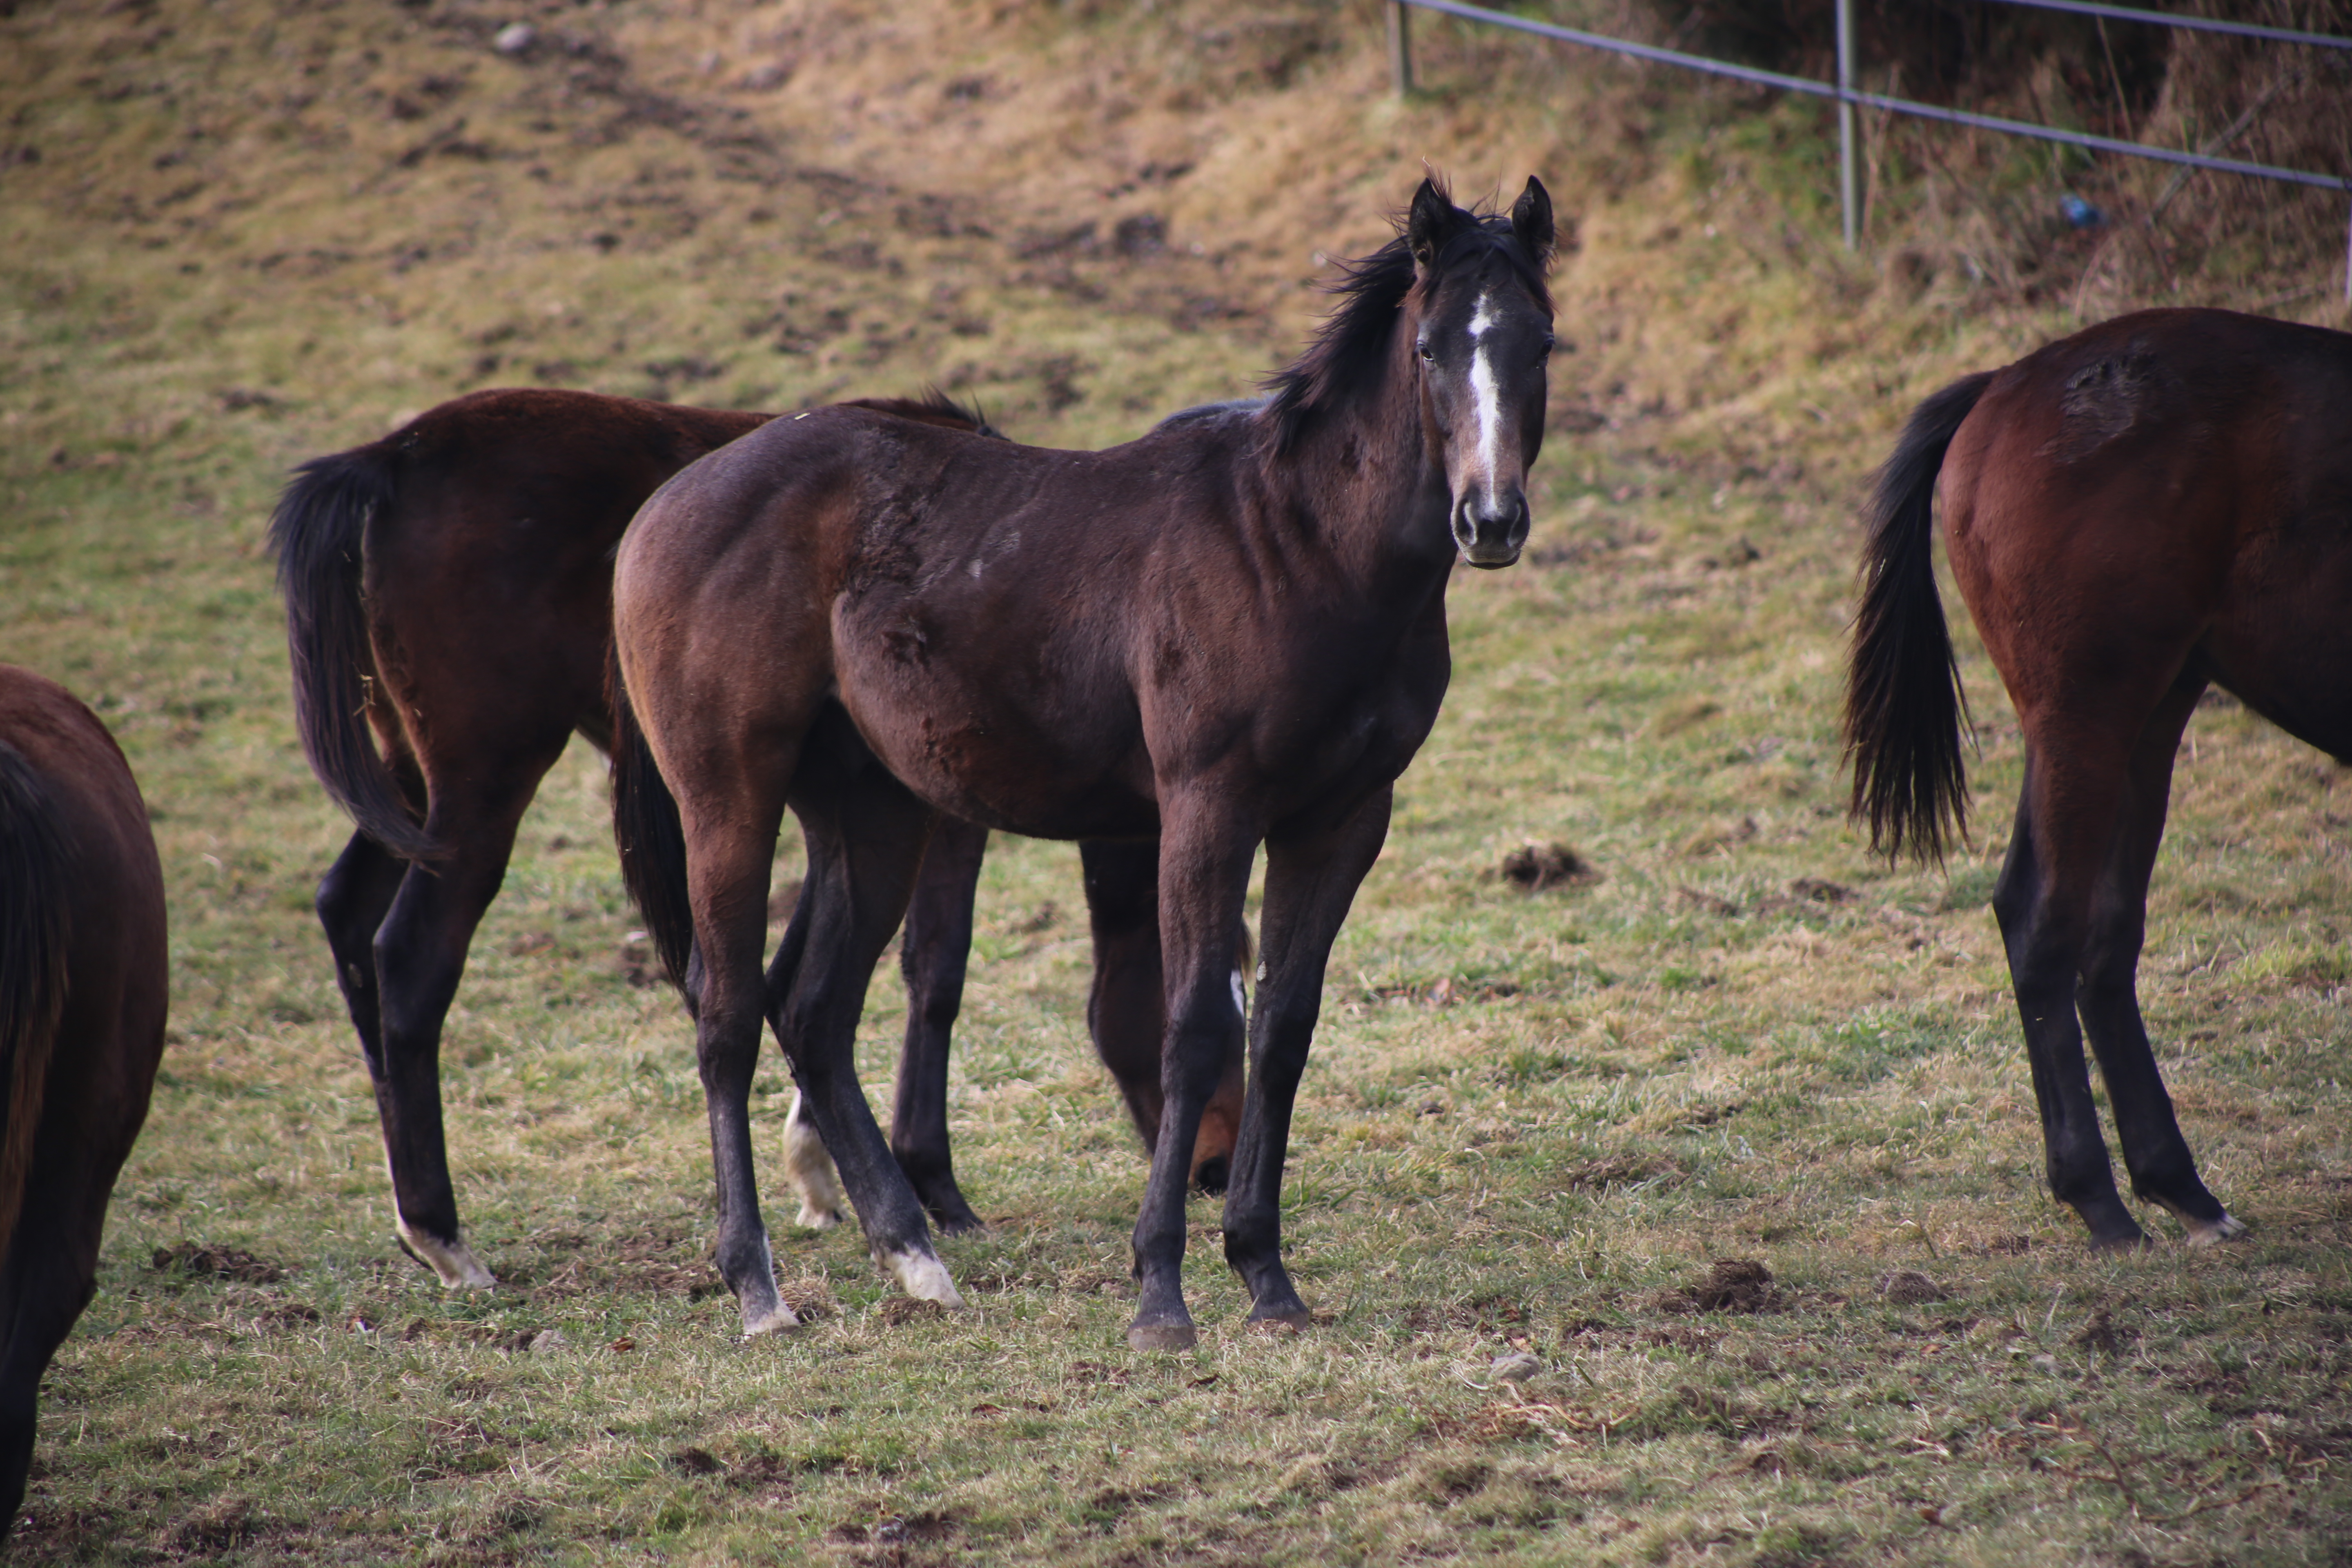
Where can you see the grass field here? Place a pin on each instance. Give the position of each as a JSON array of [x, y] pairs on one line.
[[1539, 1122]]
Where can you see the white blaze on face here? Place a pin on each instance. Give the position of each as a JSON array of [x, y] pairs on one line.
[[1483, 386]]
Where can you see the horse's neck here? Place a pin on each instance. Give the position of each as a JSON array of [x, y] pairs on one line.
[[1373, 498]]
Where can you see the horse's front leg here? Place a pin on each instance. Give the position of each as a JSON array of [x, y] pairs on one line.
[[1204, 861], [1310, 882]]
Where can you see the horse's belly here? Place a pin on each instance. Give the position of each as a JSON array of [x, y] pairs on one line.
[[991, 763]]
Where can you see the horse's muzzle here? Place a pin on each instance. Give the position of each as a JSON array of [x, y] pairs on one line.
[[1491, 530]]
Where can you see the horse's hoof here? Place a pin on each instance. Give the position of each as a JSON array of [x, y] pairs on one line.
[[922, 1276], [1281, 1325], [453, 1262], [1213, 1175], [1162, 1337], [2212, 1233], [813, 1217], [772, 1320]]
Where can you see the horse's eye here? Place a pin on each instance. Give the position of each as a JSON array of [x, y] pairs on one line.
[[1429, 354]]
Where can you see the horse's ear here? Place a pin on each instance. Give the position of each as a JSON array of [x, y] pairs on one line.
[[1433, 220], [1531, 220]]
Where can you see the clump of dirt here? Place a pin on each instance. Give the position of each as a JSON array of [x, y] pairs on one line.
[[900, 1310], [2100, 1333], [1615, 1171], [198, 1261], [1537, 867], [1731, 1285], [1910, 1288]]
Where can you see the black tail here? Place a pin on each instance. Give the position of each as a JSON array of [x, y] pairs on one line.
[[35, 872], [1903, 704], [646, 830], [319, 532]]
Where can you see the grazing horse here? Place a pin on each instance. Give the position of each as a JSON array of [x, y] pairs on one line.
[[2161, 502], [448, 610], [1229, 632], [83, 987]]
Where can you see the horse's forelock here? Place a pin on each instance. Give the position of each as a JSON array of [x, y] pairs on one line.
[[1349, 353]]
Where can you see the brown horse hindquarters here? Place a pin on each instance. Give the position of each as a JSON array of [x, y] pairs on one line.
[[482, 571], [83, 989], [2158, 502]]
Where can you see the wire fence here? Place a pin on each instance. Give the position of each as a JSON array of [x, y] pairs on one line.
[[1850, 97]]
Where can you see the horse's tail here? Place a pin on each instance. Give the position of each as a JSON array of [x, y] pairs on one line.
[[648, 833], [319, 534], [1904, 703], [35, 878]]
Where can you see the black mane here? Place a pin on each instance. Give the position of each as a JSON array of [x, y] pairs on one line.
[[1349, 354]]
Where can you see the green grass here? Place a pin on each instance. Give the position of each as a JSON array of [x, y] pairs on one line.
[[1532, 1121]]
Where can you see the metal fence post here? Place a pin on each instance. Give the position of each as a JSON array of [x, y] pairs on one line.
[[1401, 47], [1850, 195]]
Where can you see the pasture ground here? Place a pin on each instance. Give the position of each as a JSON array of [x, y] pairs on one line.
[[1536, 1122]]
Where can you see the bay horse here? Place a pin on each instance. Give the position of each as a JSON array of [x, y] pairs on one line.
[[84, 985], [1229, 632], [2161, 502], [448, 612]]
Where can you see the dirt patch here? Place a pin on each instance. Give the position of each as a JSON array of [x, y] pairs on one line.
[[1615, 1171], [2101, 1333], [1732, 1285], [1537, 867], [1910, 1288], [198, 1261], [900, 1310]]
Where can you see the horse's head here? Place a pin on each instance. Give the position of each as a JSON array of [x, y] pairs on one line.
[[1482, 319]]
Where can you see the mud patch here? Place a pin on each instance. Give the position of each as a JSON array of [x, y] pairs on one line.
[[195, 1261], [1538, 867], [1732, 1285]]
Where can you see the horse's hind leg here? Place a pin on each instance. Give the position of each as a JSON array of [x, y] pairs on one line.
[[2061, 843], [420, 957], [1126, 1004], [48, 1278], [933, 954], [1309, 884], [2163, 1170], [866, 836], [353, 898]]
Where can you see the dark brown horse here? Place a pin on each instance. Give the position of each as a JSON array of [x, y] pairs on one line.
[[83, 987], [1227, 633], [2160, 503], [448, 592]]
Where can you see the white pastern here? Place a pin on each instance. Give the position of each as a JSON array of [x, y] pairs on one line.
[[1483, 386], [810, 1166], [769, 1316], [2223, 1230], [922, 1276], [454, 1261]]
